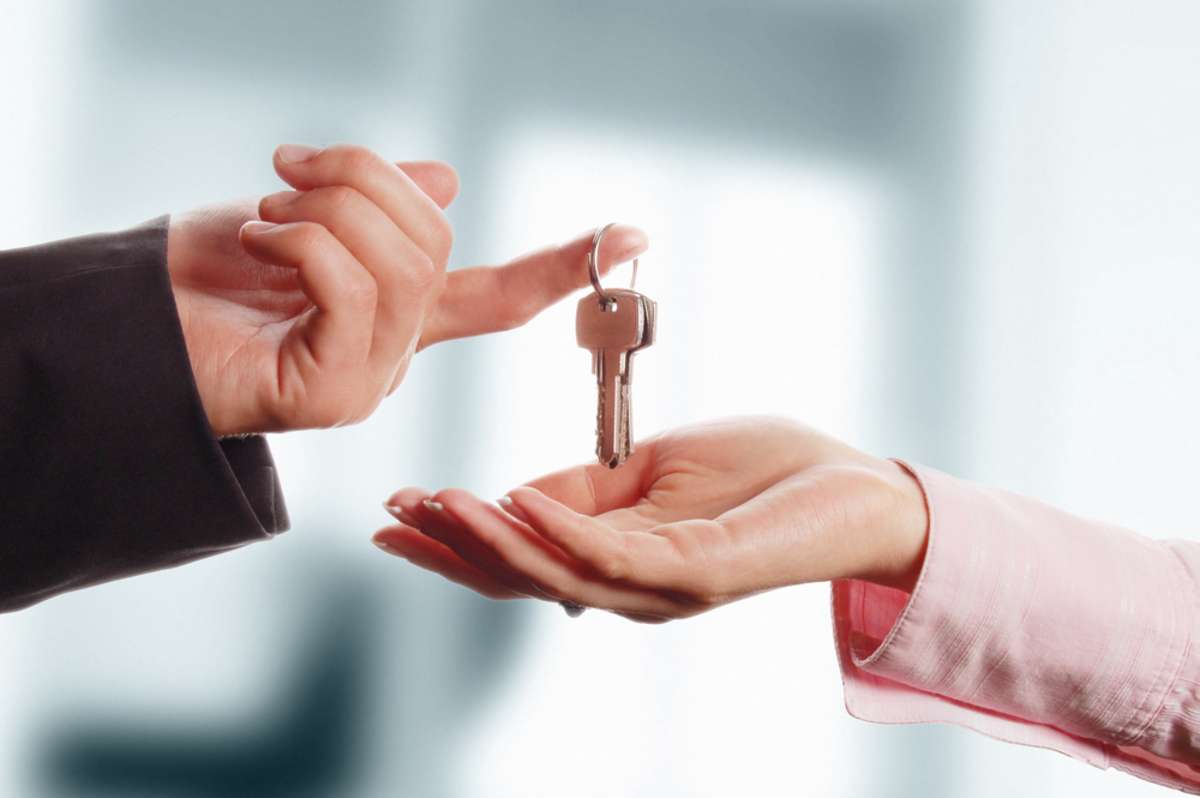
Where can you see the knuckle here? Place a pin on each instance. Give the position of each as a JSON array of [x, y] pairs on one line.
[[311, 237], [442, 234], [339, 198], [361, 291], [363, 294], [678, 539], [613, 566], [358, 161], [420, 270], [706, 589]]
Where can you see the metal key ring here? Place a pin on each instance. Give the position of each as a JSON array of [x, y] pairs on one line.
[[594, 266]]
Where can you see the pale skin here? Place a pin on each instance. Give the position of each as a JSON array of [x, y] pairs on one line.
[[696, 518], [303, 309]]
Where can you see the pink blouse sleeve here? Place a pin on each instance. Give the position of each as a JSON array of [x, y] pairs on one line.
[[1035, 627]]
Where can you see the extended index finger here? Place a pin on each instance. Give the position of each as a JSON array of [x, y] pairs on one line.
[[486, 299]]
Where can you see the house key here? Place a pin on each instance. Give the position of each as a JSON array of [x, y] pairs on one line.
[[613, 324]]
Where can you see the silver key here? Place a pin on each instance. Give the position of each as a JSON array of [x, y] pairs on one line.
[[614, 327]]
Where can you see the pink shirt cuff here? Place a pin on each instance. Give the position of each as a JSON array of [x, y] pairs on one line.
[[1035, 627]]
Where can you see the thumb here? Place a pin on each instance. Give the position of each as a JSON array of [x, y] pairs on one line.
[[593, 489]]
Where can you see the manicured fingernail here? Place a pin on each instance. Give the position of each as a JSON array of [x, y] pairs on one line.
[[385, 546], [256, 227], [399, 513], [509, 506], [295, 153], [437, 507]]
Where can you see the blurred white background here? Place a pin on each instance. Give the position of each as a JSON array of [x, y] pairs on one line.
[[960, 233]]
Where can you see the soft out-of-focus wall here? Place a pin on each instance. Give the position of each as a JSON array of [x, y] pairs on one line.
[[1084, 365], [959, 233], [1087, 190]]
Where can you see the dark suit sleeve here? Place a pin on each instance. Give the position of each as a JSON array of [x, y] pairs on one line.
[[108, 466]]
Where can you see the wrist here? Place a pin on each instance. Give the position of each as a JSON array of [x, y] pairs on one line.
[[193, 307], [912, 528], [901, 530]]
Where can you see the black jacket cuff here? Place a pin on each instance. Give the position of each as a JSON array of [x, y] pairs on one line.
[[108, 464]]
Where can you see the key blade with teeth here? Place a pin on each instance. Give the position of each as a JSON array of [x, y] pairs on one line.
[[613, 330]]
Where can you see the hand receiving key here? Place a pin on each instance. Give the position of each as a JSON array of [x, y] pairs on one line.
[[697, 517]]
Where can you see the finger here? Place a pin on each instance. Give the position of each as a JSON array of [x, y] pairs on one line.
[[337, 284], [437, 179], [593, 489], [490, 299], [503, 535], [424, 551], [401, 270], [635, 557], [384, 183], [428, 516]]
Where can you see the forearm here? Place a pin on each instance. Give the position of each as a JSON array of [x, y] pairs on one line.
[[1041, 622], [108, 462]]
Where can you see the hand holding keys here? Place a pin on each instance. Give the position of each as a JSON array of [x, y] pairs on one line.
[[614, 325]]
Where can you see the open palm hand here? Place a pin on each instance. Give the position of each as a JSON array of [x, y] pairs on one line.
[[696, 518]]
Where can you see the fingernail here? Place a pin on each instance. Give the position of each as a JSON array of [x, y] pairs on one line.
[[437, 507], [399, 513], [295, 153], [384, 546], [256, 227], [281, 198], [509, 506]]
